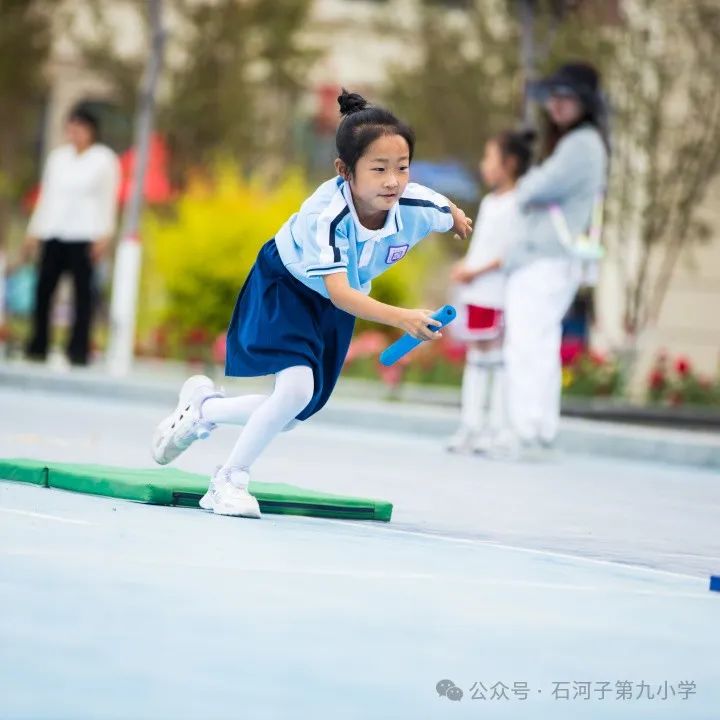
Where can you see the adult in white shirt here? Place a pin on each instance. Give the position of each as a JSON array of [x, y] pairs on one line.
[[71, 229], [544, 270]]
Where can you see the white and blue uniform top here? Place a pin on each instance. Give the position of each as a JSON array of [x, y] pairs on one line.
[[326, 236]]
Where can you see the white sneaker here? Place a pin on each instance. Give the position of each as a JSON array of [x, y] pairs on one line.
[[482, 442], [207, 501], [461, 441], [184, 425], [505, 446], [230, 494]]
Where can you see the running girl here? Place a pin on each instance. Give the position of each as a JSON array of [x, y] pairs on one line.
[[295, 314]]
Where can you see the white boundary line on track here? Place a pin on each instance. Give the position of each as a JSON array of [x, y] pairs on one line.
[[43, 516], [369, 575], [533, 551]]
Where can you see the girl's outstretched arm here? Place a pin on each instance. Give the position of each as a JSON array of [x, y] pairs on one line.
[[413, 322], [462, 224], [463, 274]]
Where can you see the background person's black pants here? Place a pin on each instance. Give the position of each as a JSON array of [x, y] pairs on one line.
[[56, 258]]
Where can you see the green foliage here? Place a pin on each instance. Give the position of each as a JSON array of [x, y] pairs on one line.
[[238, 85], [24, 32], [231, 79], [24, 48], [198, 256], [122, 71]]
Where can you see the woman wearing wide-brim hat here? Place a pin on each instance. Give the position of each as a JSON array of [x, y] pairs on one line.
[[544, 271]]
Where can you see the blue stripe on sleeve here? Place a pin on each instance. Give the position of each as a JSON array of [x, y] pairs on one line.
[[423, 203], [333, 226], [317, 268]]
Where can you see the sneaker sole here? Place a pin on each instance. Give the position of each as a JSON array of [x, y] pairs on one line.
[[206, 503], [160, 451], [161, 447], [228, 511]]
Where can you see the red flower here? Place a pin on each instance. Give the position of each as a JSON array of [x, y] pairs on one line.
[[682, 366], [196, 336], [160, 336], [219, 349], [570, 349], [657, 380]]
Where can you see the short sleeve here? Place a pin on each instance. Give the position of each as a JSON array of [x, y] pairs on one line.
[[327, 249], [432, 208]]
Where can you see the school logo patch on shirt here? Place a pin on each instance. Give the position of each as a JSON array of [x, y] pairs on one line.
[[396, 252]]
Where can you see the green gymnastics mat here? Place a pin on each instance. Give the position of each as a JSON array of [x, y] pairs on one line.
[[168, 486]]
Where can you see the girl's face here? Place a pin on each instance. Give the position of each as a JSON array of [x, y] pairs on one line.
[[564, 110], [380, 176], [496, 170]]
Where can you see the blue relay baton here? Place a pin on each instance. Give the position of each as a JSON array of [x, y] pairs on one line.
[[406, 343]]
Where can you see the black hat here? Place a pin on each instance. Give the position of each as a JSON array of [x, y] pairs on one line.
[[579, 80]]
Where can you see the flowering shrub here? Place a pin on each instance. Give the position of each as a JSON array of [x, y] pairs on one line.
[[438, 362], [197, 254], [677, 383], [570, 349], [591, 374]]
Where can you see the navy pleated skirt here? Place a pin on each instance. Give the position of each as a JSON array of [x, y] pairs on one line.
[[278, 323]]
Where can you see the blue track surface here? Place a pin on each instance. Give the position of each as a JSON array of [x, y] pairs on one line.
[[117, 610]]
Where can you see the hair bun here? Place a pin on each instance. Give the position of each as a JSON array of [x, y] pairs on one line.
[[351, 102]]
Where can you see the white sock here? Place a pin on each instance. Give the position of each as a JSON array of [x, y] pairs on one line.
[[474, 390], [294, 389]]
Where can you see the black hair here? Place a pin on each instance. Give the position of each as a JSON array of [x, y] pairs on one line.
[[83, 115], [362, 124], [552, 133], [518, 145], [595, 109]]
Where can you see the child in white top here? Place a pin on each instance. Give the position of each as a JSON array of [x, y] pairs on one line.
[[480, 291]]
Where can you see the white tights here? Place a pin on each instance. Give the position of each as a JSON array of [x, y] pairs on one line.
[[483, 401], [264, 416]]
